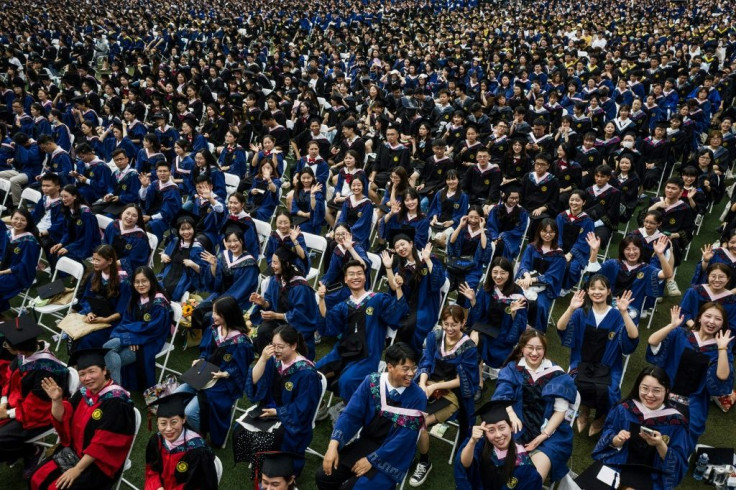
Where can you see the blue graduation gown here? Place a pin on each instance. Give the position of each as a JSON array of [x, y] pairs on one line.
[[463, 358], [232, 355], [643, 281], [420, 225], [186, 278], [617, 345], [81, 234], [252, 243], [423, 299], [302, 201], [514, 382], [628, 415], [181, 170], [125, 185], [295, 394], [319, 167], [266, 201], [56, 230], [697, 296], [490, 307], [572, 239], [233, 157], [672, 358], [359, 218], [275, 241], [21, 256], [720, 256], [380, 310], [391, 459], [216, 177], [551, 267], [210, 221], [163, 200], [525, 476], [335, 274], [60, 163], [466, 246], [235, 276], [118, 304], [100, 179], [503, 225], [147, 326], [132, 246]]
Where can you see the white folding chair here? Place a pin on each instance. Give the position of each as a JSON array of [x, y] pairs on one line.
[[26, 301], [232, 182], [153, 245], [103, 222], [315, 243], [128, 463], [5, 189], [74, 269], [444, 291], [218, 469], [376, 264], [168, 347], [263, 230], [40, 440], [323, 386], [29, 198]]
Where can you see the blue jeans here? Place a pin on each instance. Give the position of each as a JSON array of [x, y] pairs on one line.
[[192, 409], [118, 356]]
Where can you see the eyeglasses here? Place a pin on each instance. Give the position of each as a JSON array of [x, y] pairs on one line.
[[278, 347], [143, 282], [643, 389]]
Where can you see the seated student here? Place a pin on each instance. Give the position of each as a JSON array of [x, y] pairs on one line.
[[226, 344], [342, 182], [699, 361], [664, 447], [210, 208], [448, 375], [182, 260], [498, 313], [236, 214], [21, 253], [58, 160], [345, 250], [691, 194], [357, 213], [408, 213], [677, 219], [308, 203], [483, 180], [232, 157], [314, 161], [469, 251], [267, 152], [284, 236], [626, 180], [277, 471], [421, 276], [233, 272], [655, 152], [92, 176], [631, 271], [603, 204], [649, 234], [448, 207], [127, 237], [140, 334], [206, 165], [725, 254], [97, 424], [568, 172], [47, 214], [107, 282], [541, 272], [288, 299], [434, 173], [27, 164], [161, 201], [506, 225], [574, 225], [541, 393], [598, 336], [81, 231], [361, 322], [718, 276], [182, 168], [286, 388], [389, 408], [123, 188], [263, 194], [150, 155], [490, 458], [176, 456], [539, 193], [25, 409]]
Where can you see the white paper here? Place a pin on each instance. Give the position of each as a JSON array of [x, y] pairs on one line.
[[608, 475]]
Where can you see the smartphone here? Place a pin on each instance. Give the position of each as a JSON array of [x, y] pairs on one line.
[[647, 431]]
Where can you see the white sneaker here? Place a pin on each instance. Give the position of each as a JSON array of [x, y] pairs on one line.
[[672, 289], [420, 474], [564, 292]]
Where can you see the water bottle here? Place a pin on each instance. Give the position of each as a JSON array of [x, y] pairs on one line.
[[701, 466]]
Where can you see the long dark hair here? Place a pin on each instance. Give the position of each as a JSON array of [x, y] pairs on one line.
[[506, 265], [78, 200], [546, 222], [603, 280], [706, 307], [290, 335], [229, 310], [509, 464], [155, 287], [107, 252], [410, 192], [30, 223], [628, 240], [139, 223], [655, 372]]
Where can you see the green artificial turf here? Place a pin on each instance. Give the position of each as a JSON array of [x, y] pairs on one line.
[[719, 432]]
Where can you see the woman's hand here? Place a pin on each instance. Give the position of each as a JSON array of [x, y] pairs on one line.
[[387, 259], [707, 251], [315, 189], [623, 302], [55, 248], [220, 375], [208, 257], [478, 432], [534, 443], [294, 234], [676, 317], [621, 438], [660, 245], [654, 439], [90, 318], [395, 207], [257, 299], [467, 291], [577, 300], [517, 305], [593, 241], [427, 252], [267, 353], [53, 390], [516, 424], [165, 259], [723, 338], [66, 480], [268, 412]]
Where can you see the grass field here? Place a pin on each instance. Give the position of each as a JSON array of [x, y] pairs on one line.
[[720, 429]]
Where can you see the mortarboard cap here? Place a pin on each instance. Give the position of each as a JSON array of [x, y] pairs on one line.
[[171, 405], [20, 330], [159, 115], [278, 464], [494, 411], [403, 233], [598, 476], [82, 359], [51, 289], [199, 376]]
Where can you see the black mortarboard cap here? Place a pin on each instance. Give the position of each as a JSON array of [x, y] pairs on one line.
[[171, 405], [278, 464], [494, 411], [82, 359], [51, 289], [405, 233], [159, 115], [21, 329], [637, 476]]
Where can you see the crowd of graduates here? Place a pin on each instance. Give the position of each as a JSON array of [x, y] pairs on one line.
[[416, 184]]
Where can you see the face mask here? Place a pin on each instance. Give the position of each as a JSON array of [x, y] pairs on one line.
[[627, 144]]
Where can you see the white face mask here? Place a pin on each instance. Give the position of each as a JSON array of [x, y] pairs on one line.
[[627, 144]]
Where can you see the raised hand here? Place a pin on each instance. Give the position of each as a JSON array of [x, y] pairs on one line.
[[387, 259], [427, 252], [54, 391], [707, 251], [294, 233], [577, 300], [467, 291], [623, 301], [593, 241], [676, 317], [660, 245], [723, 338], [517, 305]]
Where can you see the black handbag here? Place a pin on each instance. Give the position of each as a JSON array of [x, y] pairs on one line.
[[65, 458]]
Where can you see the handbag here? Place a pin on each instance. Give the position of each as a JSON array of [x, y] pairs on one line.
[[75, 326], [65, 458]]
